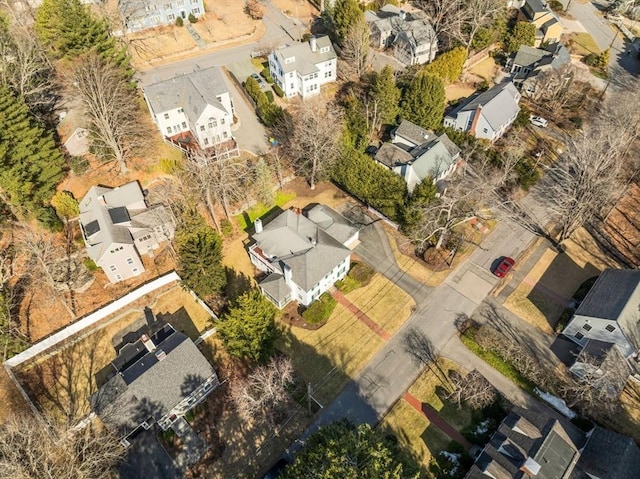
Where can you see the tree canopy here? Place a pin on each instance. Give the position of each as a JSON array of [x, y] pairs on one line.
[[423, 101], [30, 163], [200, 256], [523, 33], [248, 328], [345, 14], [386, 94], [448, 66], [343, 451]]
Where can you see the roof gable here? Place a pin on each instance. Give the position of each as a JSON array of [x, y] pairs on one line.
[[609, 294]]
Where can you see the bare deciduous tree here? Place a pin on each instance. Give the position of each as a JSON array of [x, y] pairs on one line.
[[421, 349], [309, 138], [111, 105], [31, 447], [556, 88], [586, 178], [263, 395], [472, 389], [355, 49]]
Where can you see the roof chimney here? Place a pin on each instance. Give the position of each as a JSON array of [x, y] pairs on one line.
[[148, 343], [287, 274], [257, 225], [160, 355], [313, 44], [530, 467], [474, 123]]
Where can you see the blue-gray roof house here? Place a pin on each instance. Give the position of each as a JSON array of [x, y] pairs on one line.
[[141, 14]]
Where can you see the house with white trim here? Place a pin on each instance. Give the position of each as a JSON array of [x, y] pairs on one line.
[[303, 253], [139, 15], [487, 115], [416, 153], [118, 228], [193, 109], [301, 68]]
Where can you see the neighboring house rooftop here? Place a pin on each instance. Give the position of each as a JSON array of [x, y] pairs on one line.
[[149, 384], [608, 455], [192, 92], [299, 56], [609, 294], [414, 133], [537, 6], [498, 104], [392, 155]]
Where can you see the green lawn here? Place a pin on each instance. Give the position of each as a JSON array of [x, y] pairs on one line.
[[247, 217]]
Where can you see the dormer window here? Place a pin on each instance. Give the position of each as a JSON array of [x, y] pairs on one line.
[[289, 60], [324, 50]]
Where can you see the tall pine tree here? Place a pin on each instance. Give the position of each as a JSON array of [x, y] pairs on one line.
[[30, 163], [423, 101], [386, 94]]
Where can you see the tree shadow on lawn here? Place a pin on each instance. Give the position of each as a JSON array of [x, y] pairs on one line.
[[238, 283], [552, 293]]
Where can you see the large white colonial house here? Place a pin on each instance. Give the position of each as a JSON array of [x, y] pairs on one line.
[[194, 107], [303, 253], [140, 14], [302, 67], [118, 228]]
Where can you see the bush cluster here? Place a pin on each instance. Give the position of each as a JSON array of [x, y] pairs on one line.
[[319, 310]]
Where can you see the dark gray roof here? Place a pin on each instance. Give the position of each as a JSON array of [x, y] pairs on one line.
[[392, 155], [152, 385], [498, 104], [434, 156], [294, 240], [608, 455], [610, 293], [119, 215], [528, 56], [414, 133], [537, 5], [191, 91]]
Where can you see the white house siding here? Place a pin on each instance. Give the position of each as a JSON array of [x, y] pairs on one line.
[[307, 297], [484, 130], [598, 331], [462, 122], [171, 122], [121, 262], [214, 125], [152, 13], [293, 83]]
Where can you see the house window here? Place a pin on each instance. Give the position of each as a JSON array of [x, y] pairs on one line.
[[167, 6], [587, 327], [222, 121], [610, 328], [166, 116], [118, 277], [206, 141], [196, 10], [292, 86], [327, 74], [169, 129], [113, 267], [180, 110], [180, 3], [171, 16], [579, 336], [129, 260], [135, 270], [324, 49], [484, 130], [201, 127], [219, 98], [224, 134], [184, 125]]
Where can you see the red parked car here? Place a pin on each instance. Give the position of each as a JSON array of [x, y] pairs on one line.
[[504, 267]]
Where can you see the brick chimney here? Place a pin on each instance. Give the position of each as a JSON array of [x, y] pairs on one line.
[[476, 118]]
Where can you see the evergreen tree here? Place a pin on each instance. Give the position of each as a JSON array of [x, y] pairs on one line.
[[355, 123], [68, 29], [448, 66], [248, 329], [423, 101], [345, 14], [343, 450], [523, 33], [200, 252], [30, 163], [386, 94]]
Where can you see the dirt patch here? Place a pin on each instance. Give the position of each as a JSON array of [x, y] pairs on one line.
[[458, 90], [300, 9], [486, 69]]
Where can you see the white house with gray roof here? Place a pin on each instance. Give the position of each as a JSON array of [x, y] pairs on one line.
[[155, 380], [529, 64], [409, 34], [192, 107], [118, 228], [301, 68], [415, 154], [303, 253], [141, 14], [487, 115], [609, 314]]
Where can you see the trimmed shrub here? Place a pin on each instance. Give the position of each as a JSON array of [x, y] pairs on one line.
[[278, 90], [269, 95], [319, 310], [193, 18], [179, 21], [556, 5], [266, 74]]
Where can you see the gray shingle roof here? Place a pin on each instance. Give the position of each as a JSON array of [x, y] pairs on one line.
[[192, 92], [301, 244], [609, 455], [498, 104], [392, 155], [305, 60], [609, 294], [414, 133], [527, 56], [434, 157], [332, 222], [276, 287], [151, 387]]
